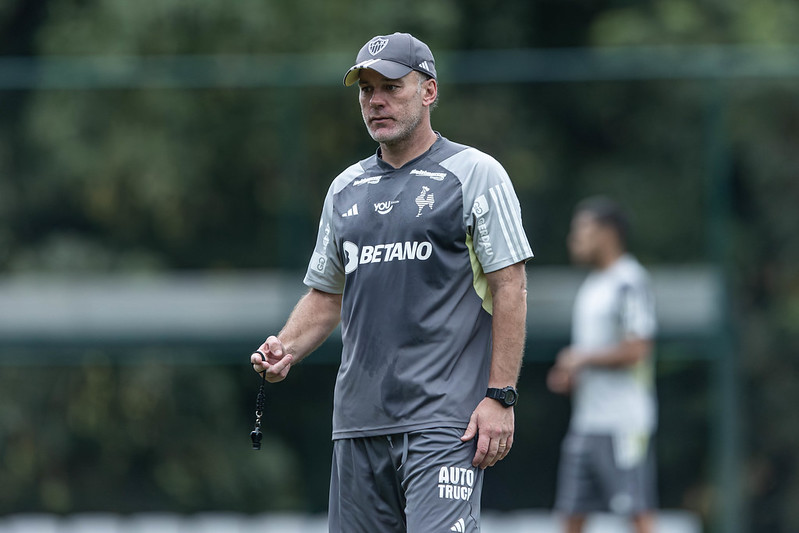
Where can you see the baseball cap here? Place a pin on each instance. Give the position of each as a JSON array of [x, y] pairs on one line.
[[393, 56]]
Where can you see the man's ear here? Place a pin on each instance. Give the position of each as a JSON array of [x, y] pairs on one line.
[[429, 91]]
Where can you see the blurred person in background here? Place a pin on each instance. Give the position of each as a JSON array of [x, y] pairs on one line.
[[607, 462], [420, 256]]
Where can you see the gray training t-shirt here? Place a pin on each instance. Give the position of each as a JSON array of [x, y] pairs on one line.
[[407, 248]]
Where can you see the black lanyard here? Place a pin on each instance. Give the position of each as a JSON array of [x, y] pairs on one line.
[[256, 434]]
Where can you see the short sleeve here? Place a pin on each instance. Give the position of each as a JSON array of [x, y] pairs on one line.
[[491, 210], [325, 271], [637, 311]]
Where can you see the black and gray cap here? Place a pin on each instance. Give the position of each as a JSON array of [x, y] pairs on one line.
[[393, 56]]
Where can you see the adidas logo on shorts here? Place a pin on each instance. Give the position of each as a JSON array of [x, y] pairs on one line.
[[459, 526]]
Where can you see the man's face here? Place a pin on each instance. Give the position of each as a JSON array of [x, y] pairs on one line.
[[585, 238], [391, 109]]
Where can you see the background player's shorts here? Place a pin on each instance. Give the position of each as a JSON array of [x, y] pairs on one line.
[[419, 482], [606, 473]]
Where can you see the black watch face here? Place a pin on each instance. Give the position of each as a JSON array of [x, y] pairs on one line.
[[510, 396]]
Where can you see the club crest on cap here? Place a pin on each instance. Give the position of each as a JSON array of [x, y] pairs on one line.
[[376, 45]]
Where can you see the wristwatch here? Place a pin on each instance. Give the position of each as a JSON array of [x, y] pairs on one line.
[[507, 396]]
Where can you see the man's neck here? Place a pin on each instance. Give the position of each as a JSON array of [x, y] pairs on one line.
[[608, 259], [397, 154]]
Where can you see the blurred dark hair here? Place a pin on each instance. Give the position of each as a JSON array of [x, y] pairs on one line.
[[607, 212]]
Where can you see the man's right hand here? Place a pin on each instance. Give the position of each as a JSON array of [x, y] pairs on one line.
[[561, 376], [271, 357], [559, 381]]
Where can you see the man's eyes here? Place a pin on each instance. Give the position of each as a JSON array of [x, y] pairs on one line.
[[367, 89]]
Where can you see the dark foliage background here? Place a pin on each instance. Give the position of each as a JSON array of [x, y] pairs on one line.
[[144, 180]]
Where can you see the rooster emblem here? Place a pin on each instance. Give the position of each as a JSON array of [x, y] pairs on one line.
[[425, 199]]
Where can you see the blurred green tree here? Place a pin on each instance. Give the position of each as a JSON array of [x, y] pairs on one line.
[[148, 179]]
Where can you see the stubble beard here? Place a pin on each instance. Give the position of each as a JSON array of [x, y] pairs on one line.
[[400, 136]]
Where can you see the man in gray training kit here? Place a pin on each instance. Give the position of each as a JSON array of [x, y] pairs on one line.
[[607, 463], [420, 255]]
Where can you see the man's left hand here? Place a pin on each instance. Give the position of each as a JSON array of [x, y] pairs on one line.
[[493, 425]]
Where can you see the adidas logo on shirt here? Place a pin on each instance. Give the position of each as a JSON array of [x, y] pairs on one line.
[[351, 212]]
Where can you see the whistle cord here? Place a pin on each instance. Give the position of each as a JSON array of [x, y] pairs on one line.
[[256, 434]]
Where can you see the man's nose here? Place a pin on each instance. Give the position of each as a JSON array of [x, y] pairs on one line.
[[377, 98]]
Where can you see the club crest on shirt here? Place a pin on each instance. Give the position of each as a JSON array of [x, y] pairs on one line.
[[425, 199]]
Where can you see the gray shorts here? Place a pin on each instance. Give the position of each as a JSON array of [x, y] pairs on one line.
[[606, 473], [418, 482]]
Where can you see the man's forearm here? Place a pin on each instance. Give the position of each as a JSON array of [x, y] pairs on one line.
[[314, 317], [626, 353], [509, 293]]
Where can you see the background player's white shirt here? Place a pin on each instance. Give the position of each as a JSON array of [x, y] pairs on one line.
[[612, 305]]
